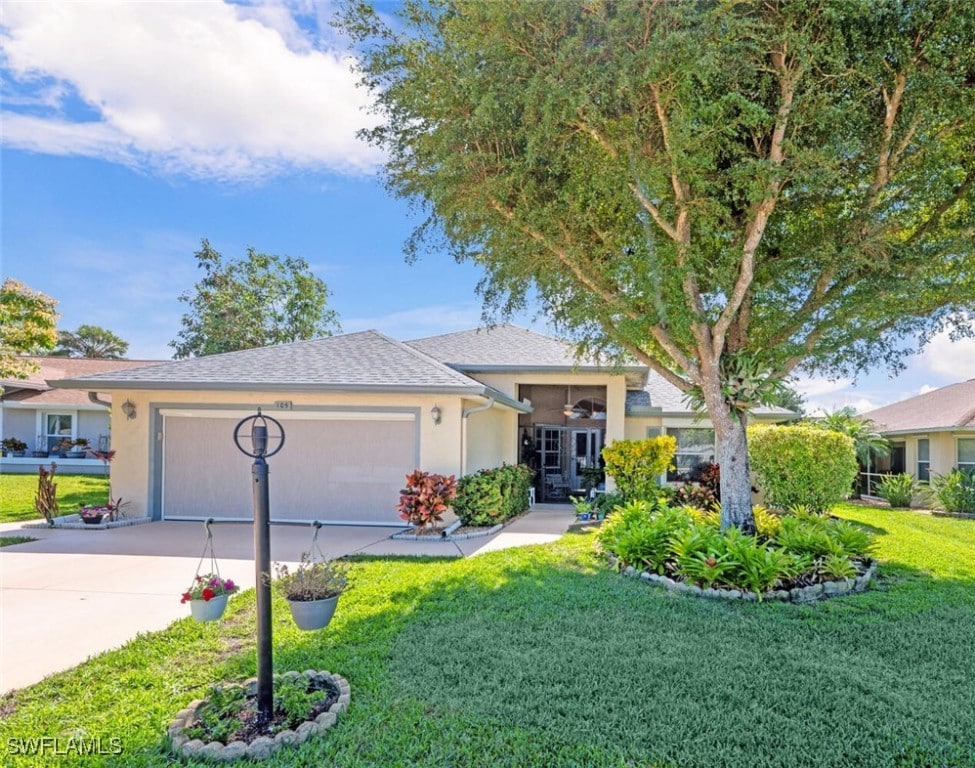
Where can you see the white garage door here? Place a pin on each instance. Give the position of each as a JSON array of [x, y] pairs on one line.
[[337, 467]]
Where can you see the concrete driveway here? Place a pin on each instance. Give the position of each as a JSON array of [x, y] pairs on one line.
[[75, 593]]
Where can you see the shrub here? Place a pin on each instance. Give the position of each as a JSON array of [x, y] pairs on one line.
[[800, 464], [604, 503], [767, 524], [955, 490], [699, 496], [492, 496], [898, 490], [687, 544], [426, 497], [636, 465]]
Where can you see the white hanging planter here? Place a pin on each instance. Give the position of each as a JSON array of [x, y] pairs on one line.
[[209, 610], [313, 614]]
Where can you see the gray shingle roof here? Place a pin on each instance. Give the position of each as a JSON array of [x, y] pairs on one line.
[[950, 407], [503, 346], [364, 360]]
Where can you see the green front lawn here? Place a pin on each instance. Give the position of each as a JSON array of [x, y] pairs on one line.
[[17, 495], [543, 657]]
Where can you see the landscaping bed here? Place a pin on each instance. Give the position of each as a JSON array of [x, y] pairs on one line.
[[543, 657]]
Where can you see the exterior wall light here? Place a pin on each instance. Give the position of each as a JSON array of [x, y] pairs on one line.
[[128, 408], [436, 413]]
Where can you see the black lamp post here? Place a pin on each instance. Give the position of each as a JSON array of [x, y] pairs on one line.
[[259, 438]]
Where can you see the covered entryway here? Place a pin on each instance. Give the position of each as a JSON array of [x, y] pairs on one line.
[[338, 466]]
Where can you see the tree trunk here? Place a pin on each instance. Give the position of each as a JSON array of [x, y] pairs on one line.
[[736, 486]]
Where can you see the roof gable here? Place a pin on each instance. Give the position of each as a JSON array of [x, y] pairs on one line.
[[363, 360], [948, 407]]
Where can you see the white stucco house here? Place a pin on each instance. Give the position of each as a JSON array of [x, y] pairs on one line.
[[40, 416], [929, 434], [362, 410]]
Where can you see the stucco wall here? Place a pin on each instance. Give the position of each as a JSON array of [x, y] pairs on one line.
[[491, 439], [20, 424], [136, 442]]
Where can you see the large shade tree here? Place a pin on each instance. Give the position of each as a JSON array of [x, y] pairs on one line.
[[259, 300], [728, 191]]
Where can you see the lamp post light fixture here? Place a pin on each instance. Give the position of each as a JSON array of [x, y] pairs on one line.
[[260, 436], [437, 414], [128, 408]]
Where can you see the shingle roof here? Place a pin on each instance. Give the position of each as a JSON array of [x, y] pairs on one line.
[[502, 346], [364, 360], [36, 390], [949, 407]]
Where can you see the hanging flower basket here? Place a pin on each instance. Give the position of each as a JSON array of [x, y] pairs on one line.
[[313, 588], [208, 592], [209, 610]]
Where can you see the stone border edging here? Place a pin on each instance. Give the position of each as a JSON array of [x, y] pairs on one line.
[[794, 595], [263, 746], [73, 523], [447, 533]]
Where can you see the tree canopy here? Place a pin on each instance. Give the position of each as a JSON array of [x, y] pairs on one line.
[[27, 324], [91, 341], [729, 192], [260, 300]]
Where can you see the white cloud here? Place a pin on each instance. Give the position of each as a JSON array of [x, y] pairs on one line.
[[925, 388], [954, 360], [206, 89]]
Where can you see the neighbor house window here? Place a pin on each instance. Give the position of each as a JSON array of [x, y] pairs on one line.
[[966, 452], [57, 426], [695, 450], [923, 459]]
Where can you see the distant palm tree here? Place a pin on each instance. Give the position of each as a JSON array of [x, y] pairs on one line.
[[867, 441], [91, 341]]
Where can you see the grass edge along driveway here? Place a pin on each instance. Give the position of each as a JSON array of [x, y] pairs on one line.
[[543, 657]]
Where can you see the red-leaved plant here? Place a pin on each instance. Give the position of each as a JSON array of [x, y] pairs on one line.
[[426, 498]]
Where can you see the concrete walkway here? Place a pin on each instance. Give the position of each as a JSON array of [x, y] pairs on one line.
[[75, 593]]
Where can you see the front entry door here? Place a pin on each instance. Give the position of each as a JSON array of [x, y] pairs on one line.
[[586, 450]]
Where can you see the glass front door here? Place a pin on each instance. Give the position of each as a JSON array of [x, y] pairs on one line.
[[586, 459]]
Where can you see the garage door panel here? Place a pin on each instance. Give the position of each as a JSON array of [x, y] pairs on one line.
[[331, 470]]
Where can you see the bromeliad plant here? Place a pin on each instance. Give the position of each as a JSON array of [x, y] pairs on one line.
[[208, 586], [426, 498], [687, 545]]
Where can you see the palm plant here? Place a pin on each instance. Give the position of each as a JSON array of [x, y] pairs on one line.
[[91, 341], [868, 443]]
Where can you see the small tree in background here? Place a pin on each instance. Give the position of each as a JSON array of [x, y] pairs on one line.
[[91, 341], [260, 300], [868, 443], [27, 324], [800, 465], [636, 465]]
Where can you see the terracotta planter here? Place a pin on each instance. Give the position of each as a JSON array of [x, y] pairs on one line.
[[313, 614], [209, 610]]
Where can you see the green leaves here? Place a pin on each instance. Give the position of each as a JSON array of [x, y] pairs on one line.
[[27, 324], [255, 302]]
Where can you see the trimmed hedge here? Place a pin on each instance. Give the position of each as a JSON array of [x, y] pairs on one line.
[[799, 465], [637, 465], [492, 496]]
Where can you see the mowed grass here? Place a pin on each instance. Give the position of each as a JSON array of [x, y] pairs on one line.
[[17, 495], [543, 657]]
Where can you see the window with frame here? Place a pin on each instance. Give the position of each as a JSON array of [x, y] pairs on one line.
[[966, 453], [923, 459], [695, 450], [57, 426]]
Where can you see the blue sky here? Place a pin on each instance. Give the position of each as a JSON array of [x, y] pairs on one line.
[[131, 131]]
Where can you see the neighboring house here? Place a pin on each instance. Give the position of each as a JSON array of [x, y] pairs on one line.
[[37, 414], [362, 410], [929, 434]]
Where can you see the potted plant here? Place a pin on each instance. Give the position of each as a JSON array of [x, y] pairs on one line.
[[312, 590], [582, 507], [14, 446], [208, 595], [92, 515], [61, 447], [79, 447]]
